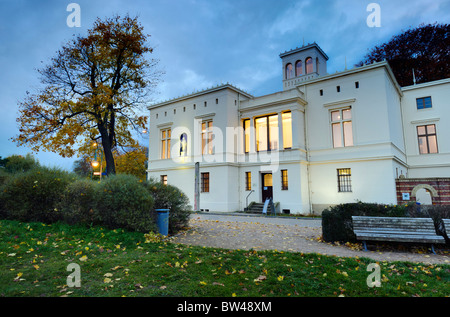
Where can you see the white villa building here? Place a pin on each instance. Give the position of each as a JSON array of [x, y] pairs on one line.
[[323, 140]]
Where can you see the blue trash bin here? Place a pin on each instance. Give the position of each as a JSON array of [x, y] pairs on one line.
[[162, 221]]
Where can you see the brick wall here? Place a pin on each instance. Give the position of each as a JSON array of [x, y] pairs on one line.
[[438, 187]]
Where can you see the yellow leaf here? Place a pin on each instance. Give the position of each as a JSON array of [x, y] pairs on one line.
[[280, 278], [36, 267], [203, 283], [83, 258], [107, 280]]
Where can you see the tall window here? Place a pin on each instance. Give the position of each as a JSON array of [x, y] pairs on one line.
[[427, 139], [284, 180], [248, 181], [205, 183], [165, 143], [289, 71], [424, 103], [309, 65], [207, 135], [183, 144], [341, 124], [344, 176], [247, 135], [287, 129], [298, 68], [266, 133], [164, 179]]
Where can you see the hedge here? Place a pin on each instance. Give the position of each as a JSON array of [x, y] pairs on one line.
[[50, 195], [337, 220]]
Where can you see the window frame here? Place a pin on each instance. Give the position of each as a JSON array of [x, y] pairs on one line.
[[208, 133], [298, 65], [205, 182], [247, 135], [183, 145], [268, 135], [248, 181], [166, 137], [284, 180], [289, 74], [423, 100], [344, 180], [309, 66], [342, 127], [427, 136]]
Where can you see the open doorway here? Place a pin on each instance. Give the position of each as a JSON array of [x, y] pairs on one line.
[[267, 186]]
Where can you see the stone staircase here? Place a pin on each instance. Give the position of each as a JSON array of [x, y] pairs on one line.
[[255, 208]]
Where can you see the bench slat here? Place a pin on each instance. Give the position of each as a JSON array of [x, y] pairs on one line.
[[396, 229]]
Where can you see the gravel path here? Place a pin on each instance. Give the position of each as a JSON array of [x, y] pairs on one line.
[[285, 234]]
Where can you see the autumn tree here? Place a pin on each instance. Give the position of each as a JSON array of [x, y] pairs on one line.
[[94, 90], [132, 162], [426, 49]]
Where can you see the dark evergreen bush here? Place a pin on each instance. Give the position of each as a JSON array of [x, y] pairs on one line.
[[78, 203], [122, 202], [337, 221], [170, 197], [34, 195]]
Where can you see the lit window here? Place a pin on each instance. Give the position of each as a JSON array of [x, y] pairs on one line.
[[427, 139], [309, 65], [165, 143], [424, 103], [289, 71], [344, 176], [284, 180], [183, 144], [164, 179], [247, 135], [207, 135], [341, 124], [266, 133], [205, 183], [248, 181], [298, 68], [287, 129]]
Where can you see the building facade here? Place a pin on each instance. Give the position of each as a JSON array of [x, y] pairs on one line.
[[323, 140]]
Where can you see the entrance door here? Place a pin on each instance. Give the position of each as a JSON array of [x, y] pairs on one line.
[[266, 181]]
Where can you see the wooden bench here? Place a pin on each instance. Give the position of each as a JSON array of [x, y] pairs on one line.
[[396, 230]]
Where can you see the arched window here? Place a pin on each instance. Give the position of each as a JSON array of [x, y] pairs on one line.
[[289, 71], [183, 144], [298, 68], [309, 65]]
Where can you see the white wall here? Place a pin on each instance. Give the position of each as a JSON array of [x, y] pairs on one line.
[[427, 165]]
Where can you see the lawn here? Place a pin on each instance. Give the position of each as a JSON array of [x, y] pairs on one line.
[[34, 260]]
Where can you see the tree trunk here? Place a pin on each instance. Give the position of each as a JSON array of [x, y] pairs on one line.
[[109, 158]]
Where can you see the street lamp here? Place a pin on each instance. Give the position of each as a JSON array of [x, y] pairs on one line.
[[95, 163]]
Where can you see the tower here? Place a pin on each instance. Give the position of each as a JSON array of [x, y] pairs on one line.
[[302, 64]]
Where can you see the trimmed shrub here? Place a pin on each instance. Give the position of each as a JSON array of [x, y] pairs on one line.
[[436, 212], [122, 202], [34, 195], [170, 197], [78, 203], [337, 221]]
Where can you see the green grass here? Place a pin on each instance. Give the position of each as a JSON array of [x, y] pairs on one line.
[[34, 259]]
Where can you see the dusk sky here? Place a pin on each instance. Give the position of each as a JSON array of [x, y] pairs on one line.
[[200, 43]]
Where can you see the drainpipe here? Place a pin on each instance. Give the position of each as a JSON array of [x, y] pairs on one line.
[[305, 127]]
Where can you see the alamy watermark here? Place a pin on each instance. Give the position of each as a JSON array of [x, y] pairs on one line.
[[374, 18], [74, 278], [74, 18]]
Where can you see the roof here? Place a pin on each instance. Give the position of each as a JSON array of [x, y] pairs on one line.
[[200, 93], [303, 48]]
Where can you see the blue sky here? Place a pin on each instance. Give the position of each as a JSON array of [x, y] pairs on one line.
[[200, 43]]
